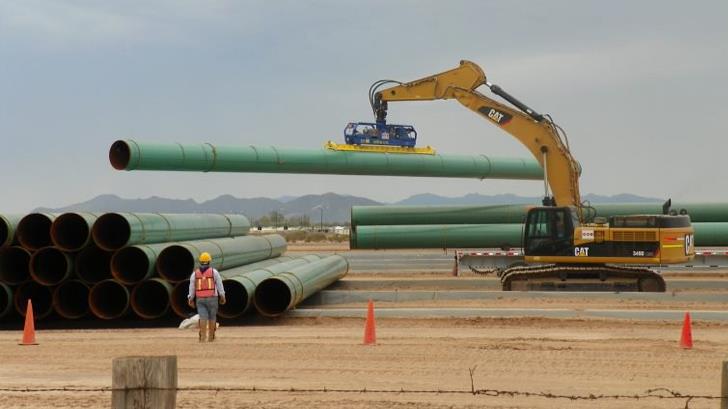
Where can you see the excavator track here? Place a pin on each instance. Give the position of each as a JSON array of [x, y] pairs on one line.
[[555, 277]]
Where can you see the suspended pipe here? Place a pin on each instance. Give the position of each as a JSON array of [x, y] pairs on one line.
[[72, 231], [42, 299], [437, 236], [176, 262], [51, 266], [6, 300], [134, 264], [178, 299], [70, 299], [276, 295], [14, 265], [113, 231], [8, 225], [516, 213], [134, 155], [150, 299], [92, 264], [34, 230], [240, 287], [108, 299]]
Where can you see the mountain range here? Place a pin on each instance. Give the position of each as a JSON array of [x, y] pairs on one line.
[[336, 208]]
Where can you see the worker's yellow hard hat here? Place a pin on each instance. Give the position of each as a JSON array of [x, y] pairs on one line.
[[205, 258]]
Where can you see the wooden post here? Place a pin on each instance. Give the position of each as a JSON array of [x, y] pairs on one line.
[[144, 382], [724, 387]]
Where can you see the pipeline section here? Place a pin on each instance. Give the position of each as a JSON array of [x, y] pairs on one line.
[[516, 213], [41, 295], [135, 155], [51, 266], [8, 225], [14, 265], [178, 299], [240, 285], [442, 236], [92, 264], [133, 264], [70, 299], [6, 300], [150, 299], [108, 299], [177, 261], [34, 230], [113, 231], [276, 295], [72, 231]]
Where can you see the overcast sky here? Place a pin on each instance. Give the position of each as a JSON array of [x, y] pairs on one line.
[[640, 87]]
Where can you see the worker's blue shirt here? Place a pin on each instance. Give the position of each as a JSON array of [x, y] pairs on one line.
[[219, 289]]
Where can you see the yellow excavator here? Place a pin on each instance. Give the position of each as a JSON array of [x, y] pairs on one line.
[[565, 244]]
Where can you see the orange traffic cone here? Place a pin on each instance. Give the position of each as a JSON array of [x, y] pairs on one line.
[[29, 328], [686, 339], [370, 333]]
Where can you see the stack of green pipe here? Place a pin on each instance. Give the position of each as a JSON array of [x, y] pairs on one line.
[[240, 283], [276, 295], [135, 155]]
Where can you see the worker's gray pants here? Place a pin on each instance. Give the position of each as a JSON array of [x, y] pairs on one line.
[[207, 308]]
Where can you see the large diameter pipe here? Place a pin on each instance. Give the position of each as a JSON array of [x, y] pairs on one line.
[[6, 300], [14, 265], [92, 264], [8, 225], [278, 294], [51, 266], [240, 288], [134, 155], [437, 236], [150, 299], [70, 299], [108, 299], [236, 271], [134, 264], [178, 299], [34, 230], [516, 213], [176, 262], [72, 231], [42, 299], [113, 231], [482, 235]]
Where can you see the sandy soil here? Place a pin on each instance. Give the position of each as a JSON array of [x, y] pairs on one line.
[[570, 357]]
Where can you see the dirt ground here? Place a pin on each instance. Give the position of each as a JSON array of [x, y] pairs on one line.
[[541, 356]]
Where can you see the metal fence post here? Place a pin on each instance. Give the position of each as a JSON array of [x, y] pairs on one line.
[[144, 382], [724, 387]]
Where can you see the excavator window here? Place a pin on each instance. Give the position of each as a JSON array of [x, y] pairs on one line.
[[549, 231]]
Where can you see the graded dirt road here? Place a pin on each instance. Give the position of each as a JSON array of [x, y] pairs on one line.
[[536, 355]]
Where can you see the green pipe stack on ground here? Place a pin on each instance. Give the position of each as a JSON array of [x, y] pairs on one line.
[[8, 224], [134, 155]]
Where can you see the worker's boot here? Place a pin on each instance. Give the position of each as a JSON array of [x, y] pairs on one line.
[[203, 330], [212, 326]]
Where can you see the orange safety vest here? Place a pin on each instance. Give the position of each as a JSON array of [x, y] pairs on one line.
[[204, 283]]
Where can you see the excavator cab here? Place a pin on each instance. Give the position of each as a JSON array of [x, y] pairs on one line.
[[549, 231]]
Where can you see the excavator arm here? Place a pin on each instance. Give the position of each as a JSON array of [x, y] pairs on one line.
[[535, 131]]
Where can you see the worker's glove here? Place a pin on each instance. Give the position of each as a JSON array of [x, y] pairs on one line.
[[191, 302], [222, 300]]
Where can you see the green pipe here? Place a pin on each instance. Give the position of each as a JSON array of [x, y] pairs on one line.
[[436, 236], [108, 299], [240, 286], [8, 225], [51, 266], [176, 262], [70, 299], [14, 265], [72, 231], [516, 213], [6, 300], [482, 236], [134, 264], [113, 231], [150, 299], [133, 155], [34, 230], [236, 271], [41, 297], [278, 294]]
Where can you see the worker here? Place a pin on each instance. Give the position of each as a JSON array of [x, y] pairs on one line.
[[205, 289]]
